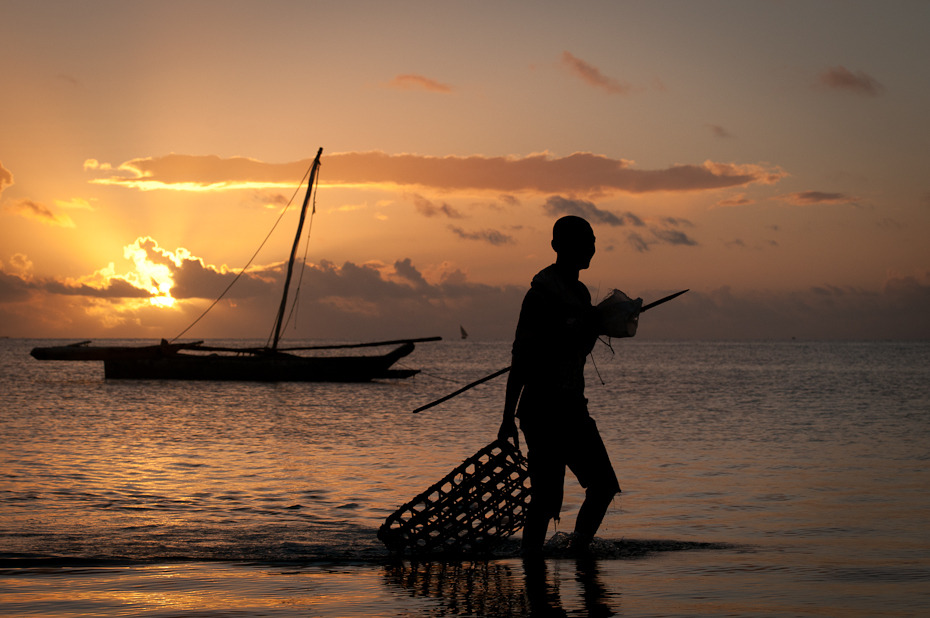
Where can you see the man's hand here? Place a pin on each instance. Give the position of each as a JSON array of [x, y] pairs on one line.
[[508, 430]]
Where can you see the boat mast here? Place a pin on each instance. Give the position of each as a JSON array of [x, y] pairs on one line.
[[290, 264]]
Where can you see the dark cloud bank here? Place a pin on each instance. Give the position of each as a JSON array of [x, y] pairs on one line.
[[358, 302]]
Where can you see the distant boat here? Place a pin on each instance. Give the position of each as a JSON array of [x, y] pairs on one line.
[[195, 361], [464, 334]]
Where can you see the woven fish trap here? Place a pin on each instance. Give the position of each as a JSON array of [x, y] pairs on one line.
[[473, 508]]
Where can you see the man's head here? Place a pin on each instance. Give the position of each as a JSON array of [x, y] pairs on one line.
[[573, 241]]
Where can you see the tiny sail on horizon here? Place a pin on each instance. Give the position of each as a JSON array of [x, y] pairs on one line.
[[462, 330]]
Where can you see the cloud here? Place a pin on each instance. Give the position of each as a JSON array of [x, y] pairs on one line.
[[33, 210], [351, 301], [492, 237], [114, 288], [6, 178], [94, 164], [889, 223], [840, 78], [557, 205], [69, 79], [592, 76], [739, 243], [368, 302], [21, 265], [719, 131], [270, 200], [418, 82], [181, 172], [809, 198], [13, 287], [826, 312], [909, 295], [372, 290], [579, 173], [676, 222], [662, 232], [408, 272], [637, 241], [38, 212], [736, 200], [429, 209], [673, 237], [75, 203], [157, 275], [193, 279], [387, 304], [17, 282]]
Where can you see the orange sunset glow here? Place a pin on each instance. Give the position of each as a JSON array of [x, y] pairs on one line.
[[771, 157]]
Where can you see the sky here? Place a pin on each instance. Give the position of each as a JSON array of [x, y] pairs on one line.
[[770, 156]]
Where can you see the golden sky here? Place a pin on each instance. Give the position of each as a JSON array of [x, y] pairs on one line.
[[771, 156]]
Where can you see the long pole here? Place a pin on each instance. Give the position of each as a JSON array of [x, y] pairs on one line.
[[290, 263], [369, 344], [462, 390], [506, 369]]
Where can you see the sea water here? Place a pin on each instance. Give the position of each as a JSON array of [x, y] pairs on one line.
[[792, 477]]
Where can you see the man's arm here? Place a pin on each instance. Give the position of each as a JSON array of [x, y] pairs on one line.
[[515, 383]]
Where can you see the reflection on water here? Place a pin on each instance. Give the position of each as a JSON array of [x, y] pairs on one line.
[[507, 588], [466, 588], [681, 584], [806, 462], [544, 594], [485, 589]]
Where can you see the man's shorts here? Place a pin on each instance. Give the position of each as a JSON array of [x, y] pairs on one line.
[[553, 446]]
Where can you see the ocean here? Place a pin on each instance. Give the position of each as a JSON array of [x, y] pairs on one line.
[[759, 479]]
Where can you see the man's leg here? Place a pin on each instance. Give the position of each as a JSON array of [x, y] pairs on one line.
[[547, 478], [534, 532], [590, 462], [591, 514]]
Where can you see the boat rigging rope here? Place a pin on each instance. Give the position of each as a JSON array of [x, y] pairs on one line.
[[251, 259]]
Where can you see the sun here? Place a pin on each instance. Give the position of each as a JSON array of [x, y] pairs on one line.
[[165, 302], [155, 277]]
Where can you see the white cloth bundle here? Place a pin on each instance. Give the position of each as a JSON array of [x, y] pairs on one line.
[[619, 314]]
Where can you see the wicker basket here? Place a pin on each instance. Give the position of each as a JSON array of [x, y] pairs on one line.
[[474, 507]]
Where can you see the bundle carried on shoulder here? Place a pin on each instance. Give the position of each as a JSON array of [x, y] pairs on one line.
[[619, 314], [470, 510]]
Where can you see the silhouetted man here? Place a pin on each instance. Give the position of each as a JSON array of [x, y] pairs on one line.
[[556, 331]]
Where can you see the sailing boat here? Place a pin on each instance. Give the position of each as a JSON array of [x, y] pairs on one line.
[[196, 361]]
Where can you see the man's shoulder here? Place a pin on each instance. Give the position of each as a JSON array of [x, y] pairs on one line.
[[551, 281], [547, 279]]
